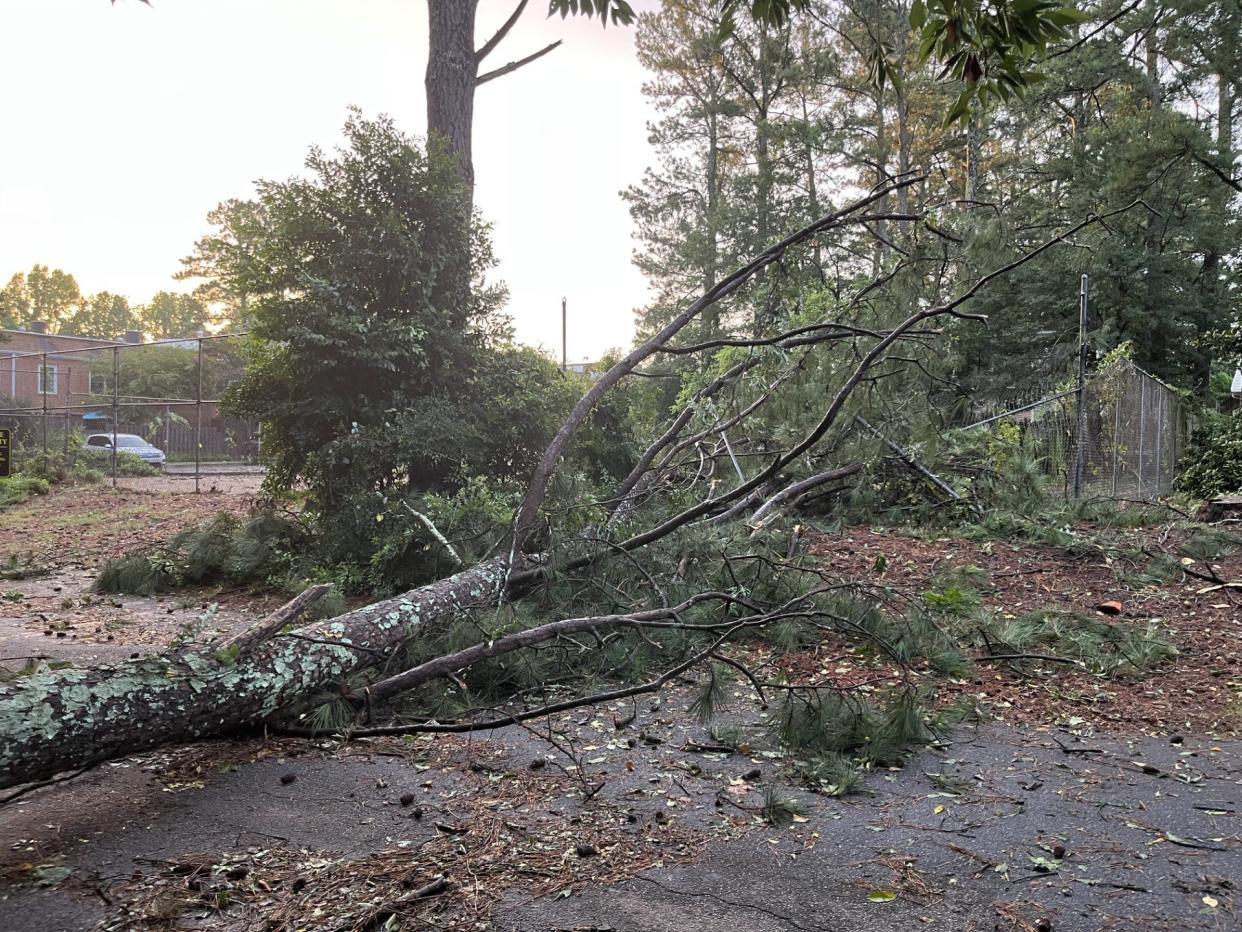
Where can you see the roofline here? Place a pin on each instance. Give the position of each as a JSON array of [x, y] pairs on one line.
[[103, 344], [66, 336]]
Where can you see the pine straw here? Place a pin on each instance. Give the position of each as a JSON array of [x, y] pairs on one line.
[[1200, 690], [506, 838]]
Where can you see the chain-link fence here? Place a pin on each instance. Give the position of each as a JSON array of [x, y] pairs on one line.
[[1133, 428], [101, 400]]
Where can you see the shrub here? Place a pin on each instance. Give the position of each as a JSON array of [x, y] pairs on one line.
[[83, 464], [127, 464], [1213, 466], [18, 488]]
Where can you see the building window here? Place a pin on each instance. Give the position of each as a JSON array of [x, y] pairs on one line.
[[99, 383], [47, 380]]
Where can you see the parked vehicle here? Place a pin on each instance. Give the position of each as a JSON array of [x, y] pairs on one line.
[[128, 443]]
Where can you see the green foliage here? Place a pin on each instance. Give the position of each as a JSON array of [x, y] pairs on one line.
[[171, 372], [170, 315], [103, 315], [990, 48], [908, 638], [816, 722], [399, 550], [265, 550], [1213, 465], [1101, 647], [779, 809], [18, 488], [712, 695], [1107, 514], [378, 360], [364, 325], [138, 574], [42, 294], [83, 464], [617, 12], [833, 773], [1208, 543]]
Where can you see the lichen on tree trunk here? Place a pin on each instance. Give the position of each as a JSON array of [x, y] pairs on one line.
[[72, 718]]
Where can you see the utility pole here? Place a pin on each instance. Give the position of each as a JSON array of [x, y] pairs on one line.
[[1080, 428], [564, 335]]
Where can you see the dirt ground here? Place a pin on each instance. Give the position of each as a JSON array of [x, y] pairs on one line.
[[1080, 804], [59, 541]]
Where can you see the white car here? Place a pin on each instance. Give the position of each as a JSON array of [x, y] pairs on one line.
[[128, 443]]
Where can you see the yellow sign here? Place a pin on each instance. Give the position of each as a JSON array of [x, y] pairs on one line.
[[6, 452]]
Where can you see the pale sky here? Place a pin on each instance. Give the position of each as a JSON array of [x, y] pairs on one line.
[[125, 125]]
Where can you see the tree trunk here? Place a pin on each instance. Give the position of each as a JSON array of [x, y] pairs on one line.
[[879, 249], [812, 189], [974, 151], [904, 143], [73, 718], [711, 317], [1152, 57], [1227, 75], [452, 69]]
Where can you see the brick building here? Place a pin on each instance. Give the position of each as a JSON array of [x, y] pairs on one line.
[[25, 382]]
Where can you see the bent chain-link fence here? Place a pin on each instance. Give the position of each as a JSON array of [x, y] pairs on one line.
[[1134, 432]]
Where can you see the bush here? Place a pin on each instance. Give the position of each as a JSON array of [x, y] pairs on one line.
[[16, 489], [1213, 466], [86, 459], [83, 464]]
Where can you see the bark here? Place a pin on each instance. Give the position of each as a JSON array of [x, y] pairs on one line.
[[812, 190], [1227, 75], [904, 144], [1151, 55], [879, 248], [974, 150], [711, 318], [792, 492], [73, 718], [452, 70]]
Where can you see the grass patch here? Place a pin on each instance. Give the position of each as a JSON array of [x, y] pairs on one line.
[[20, 488]]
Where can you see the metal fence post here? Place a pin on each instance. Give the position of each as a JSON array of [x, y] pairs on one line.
[[116, 404], [1142, 453], [1116, 427], [1080, 431], [1160, 439], [41, 384], [198, 412]]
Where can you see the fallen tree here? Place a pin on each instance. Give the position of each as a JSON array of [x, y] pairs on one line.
[[72, 718]]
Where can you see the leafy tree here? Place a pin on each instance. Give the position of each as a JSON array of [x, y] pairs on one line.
[[105, 315], [171, 371], [170, 315], [42, 294], [361, 352], [217, 256], [1104, 128]]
